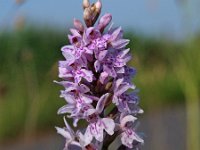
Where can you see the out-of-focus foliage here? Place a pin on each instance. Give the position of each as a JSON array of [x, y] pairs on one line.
[[28, 65]]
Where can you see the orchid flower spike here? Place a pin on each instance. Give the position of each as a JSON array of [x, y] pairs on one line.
[[97, 84]]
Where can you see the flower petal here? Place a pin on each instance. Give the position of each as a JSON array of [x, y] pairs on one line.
[[126, 140], [66, 109], [88, 75], [119, 44], [64, 133], [101, 103], [96, 130], [88, 136], [103, 77], [68, 127], [69, 86], [78, 25], [102, 55], [110, 70], [69, 97], [83, 88], [123, 88], [97, 66], [128, 118], [86, 99], [70, 58], [109, 125], [104, 21], [116, 34]]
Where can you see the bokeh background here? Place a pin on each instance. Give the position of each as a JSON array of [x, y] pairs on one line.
[[165, 43]]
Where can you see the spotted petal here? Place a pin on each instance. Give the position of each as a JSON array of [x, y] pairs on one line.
[[109, 125], [101, 103]]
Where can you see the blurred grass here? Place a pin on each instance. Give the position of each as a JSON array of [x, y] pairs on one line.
[[168, 74]]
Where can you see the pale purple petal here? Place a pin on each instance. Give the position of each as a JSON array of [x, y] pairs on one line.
[[68, 127], [109, 125], [88, 136], [124, 52], [67, 48], [119, 44], [75, 33], [103, 77], [97, 131], [83, 88], [64, 133], [117, 84], [86, 99], [97, 66], [69, 97], [102, 55], [92, 33], [69, 57], [126, 140], [66, 109], [128, 118], [129, 136], [88, 75], [75, 40], [78, 25], [115, 35], [104, 21], [110, 70], [115, 100], [123, 88], [120, 70], [69, 86], [101, 103], [64, 73]]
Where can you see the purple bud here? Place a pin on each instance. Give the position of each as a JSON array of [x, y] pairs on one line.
[[104, 21], [78, 25]]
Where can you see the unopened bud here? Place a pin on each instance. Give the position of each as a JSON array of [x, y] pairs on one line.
[[92, 12], [86, 4], [78, 25], [98, 6], [87, 15], [96, 10], [104, 21]]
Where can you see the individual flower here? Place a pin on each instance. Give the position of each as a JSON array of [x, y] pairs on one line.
[[128, 103], [97, 124], [129, 134], [70, 136], [119, 87]]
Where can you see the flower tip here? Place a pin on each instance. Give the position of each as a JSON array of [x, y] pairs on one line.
[[98, 5], [78, 25], [86, 4]]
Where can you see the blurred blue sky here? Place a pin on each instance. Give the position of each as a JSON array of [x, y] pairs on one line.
[[172, 18]]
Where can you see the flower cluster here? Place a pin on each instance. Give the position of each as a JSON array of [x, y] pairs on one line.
[[97, 84]]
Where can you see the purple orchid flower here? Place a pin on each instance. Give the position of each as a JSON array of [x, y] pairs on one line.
[[128, 103], [97, 84], [71, 137], [96, 124], [119, 87], [129, 135]]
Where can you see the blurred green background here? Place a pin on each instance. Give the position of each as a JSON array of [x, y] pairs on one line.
[[168, 78]]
